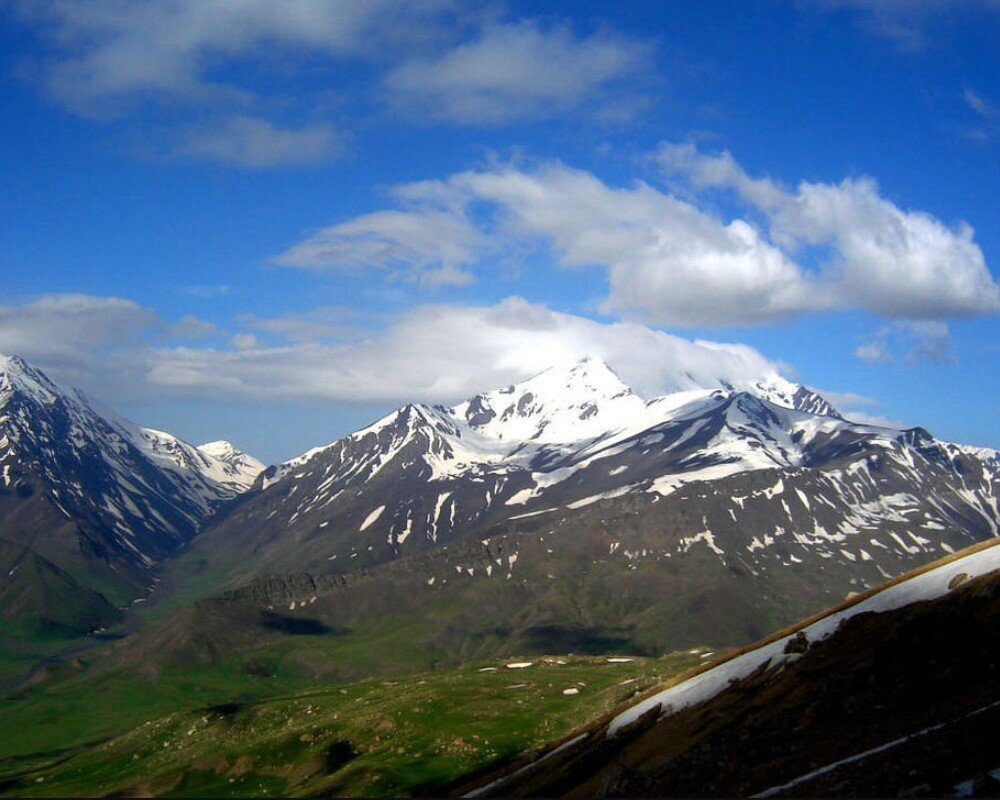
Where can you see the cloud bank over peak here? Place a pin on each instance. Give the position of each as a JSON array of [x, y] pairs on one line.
[[443, 353], [434, 353]]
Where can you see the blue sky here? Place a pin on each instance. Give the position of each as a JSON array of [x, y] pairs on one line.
[[271, 222]]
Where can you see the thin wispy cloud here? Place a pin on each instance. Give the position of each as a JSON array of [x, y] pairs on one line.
[[909, 342], [516, 71], [251, 142], [908, 23], [426, 245], [212, 78], [987, 125]]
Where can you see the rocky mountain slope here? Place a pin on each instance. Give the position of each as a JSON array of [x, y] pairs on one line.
[[890, 694], [507, 524], [765, 476], [95, 495]]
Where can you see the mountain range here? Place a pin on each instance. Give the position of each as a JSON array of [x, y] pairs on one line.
[[93, 498], [564, 514], [763, 498]]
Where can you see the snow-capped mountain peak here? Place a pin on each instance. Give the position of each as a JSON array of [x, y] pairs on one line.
[[577, 435], [560, 405], [135, 491], [240, 468], [16, 375], [782, 392]]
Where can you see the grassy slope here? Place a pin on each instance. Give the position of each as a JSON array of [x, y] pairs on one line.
[[374, 737]]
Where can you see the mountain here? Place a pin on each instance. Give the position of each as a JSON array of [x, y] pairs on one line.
[[236, 469], [568, 514], [892, 693], [37, 598], [94, 495], [571, 438]]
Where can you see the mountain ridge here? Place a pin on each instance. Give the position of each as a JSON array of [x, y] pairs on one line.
[[426, 476], [94, 493]]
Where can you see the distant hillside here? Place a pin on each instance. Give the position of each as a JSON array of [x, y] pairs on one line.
[[38, 598]]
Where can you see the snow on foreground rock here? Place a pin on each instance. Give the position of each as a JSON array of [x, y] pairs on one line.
[[927, 585]]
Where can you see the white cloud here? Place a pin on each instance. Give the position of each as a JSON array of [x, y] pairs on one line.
[[251, 142], [206, 291], [979, 104], [892, 262], [62, 328], [875, 352], [332, 323], [670, 262], [156, 66], [222, 79], [118, 50], [667, 261], [878, 420], [436, 353], [244, 341], [77, 337], [988, 123], [428, 245], [849, 404], [191, 327], [842, 400], [910, 342], [886, 260], [514, 71], [444, 353]]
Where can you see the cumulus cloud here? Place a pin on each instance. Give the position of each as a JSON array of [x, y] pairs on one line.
[[886, 260], [909, 342], [443, 353], [669, 260], [513, 71]]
